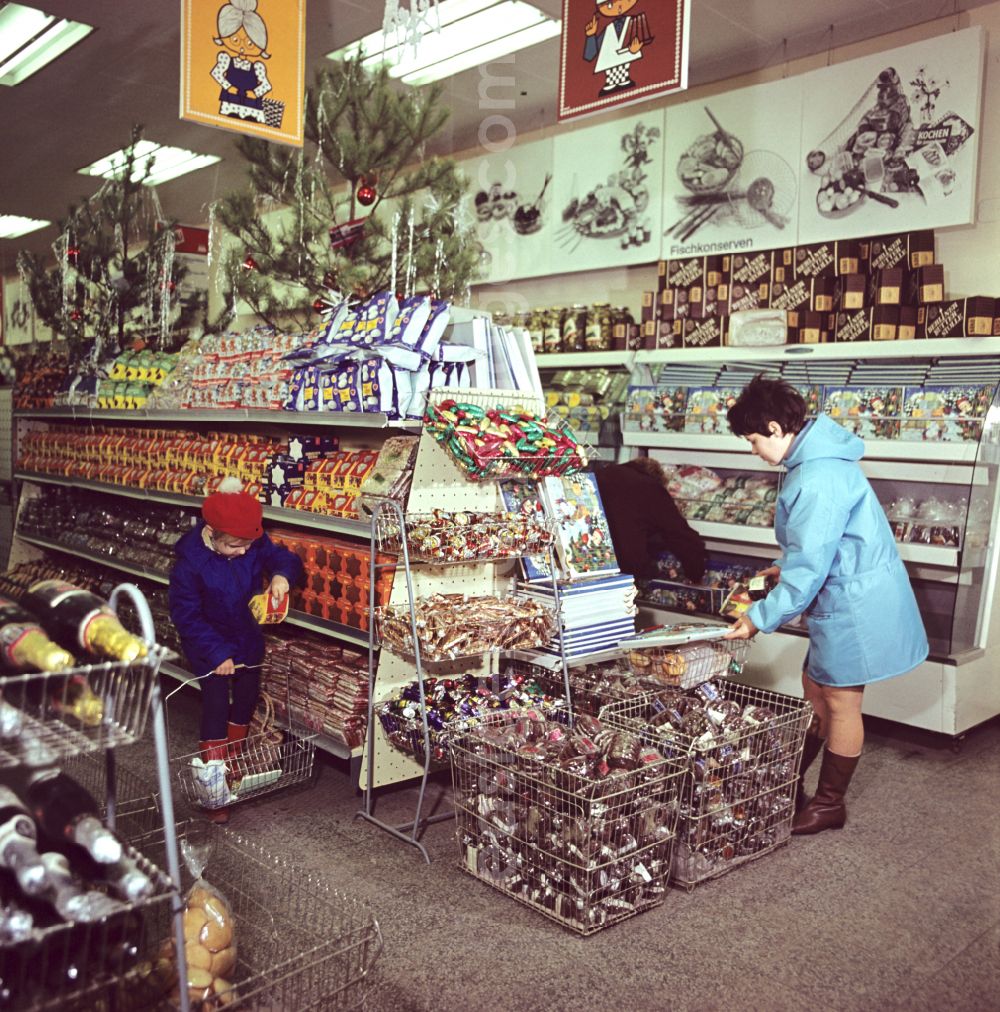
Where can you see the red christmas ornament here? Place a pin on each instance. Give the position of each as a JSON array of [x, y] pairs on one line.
[[366, 194], [75, 315], [250, 264], [73, 254], [319, 305]]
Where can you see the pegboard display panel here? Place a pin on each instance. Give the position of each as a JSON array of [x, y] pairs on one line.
[[6, 434], [437, 484]]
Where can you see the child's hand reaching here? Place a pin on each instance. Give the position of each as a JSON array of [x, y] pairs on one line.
[[278, 589], [225, 668]]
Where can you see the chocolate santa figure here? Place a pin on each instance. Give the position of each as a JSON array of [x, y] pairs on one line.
[[617, 45]]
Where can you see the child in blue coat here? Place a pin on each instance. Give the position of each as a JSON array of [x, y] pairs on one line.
[[840, 568], [221, 565]]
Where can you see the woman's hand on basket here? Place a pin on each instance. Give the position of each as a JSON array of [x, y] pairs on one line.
[[741, 629]]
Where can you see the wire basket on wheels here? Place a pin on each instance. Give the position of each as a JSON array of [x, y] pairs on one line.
[[49, 716], [742, 746], [301, 944], [585, 839]]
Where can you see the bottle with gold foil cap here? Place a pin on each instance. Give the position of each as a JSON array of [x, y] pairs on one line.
[[80, 620], [24, 646]]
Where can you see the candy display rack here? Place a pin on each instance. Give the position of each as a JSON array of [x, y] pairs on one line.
[[437, 482], [72, 960]]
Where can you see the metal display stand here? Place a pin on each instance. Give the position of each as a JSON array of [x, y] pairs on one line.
[[437, 483]]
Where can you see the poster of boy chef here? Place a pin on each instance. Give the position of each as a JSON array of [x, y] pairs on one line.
[[605, 59]]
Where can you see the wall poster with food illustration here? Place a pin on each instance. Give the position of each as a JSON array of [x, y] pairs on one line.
[[729, 177], [510, 200], [608, 184], [890, 142]]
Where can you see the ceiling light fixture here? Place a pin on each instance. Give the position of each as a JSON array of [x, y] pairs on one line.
[[13, 226], [168, 163], [30, 39], [472, 32]]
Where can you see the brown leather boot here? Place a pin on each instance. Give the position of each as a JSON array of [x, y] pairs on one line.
[[237, 736], [217, 748], [827, 809], [811, 747]]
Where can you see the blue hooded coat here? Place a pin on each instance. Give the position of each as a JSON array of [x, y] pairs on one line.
[[210, 598], [840, 566]]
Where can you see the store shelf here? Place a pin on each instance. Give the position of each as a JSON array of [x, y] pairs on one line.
[[103, 560], [554, 662], [227, 416], [939, 347], [322, 741], [349, 634], [875, 449], [299, 518], [582, 359]]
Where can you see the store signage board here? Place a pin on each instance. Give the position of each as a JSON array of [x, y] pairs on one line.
[[617, 52], [903, 126], [244, 69]]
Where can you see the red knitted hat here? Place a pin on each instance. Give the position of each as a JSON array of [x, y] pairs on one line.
[[233, 512]]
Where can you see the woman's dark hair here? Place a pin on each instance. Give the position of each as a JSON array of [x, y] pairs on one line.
[[763, 401]]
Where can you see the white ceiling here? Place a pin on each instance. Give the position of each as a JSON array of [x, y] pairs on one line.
[[82, 106]]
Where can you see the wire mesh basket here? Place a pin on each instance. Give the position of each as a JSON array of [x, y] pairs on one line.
[[594, 685], [443, 537], [742, 747], [455, 626], [83, 967], [48, 716], [689, 664], [585, 839], [301, 944], [267, 762], [491, 441]]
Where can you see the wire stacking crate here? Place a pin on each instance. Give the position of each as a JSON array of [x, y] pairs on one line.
[[586, 839], [741, 747], [270, 760], [301, 944], [84, 966], [594, 685], [688, 665], [49, 716]]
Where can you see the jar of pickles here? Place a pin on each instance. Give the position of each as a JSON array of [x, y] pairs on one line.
[[552, 331], [574, 328], [599, 328], [535, 324]]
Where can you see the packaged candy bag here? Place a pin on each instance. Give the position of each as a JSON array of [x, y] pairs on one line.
[[266, 612]]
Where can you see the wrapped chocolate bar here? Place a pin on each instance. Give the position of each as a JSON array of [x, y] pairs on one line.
[[450, 626], [576, 822], [741, 746]]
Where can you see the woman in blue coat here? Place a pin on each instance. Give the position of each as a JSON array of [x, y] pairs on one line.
[[841, 569], [221, 565]]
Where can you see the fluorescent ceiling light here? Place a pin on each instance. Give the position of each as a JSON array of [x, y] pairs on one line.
[[472, 32], [30, 39], [168, 163], [13, 226]]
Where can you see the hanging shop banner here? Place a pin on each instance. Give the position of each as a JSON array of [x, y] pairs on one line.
[[608, 186], [890, 142], [616, 52], [510, 199], [731, 171], [243, 66]]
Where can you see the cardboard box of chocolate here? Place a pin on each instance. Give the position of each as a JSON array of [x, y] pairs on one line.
[[853, 325], [888, 251], [649, 307], [851, 256], [670, 334], [907, 323], [686, 273], [920, 246], [971, 317], [649, 331], [979, 313], [704, 302], [792, 295], [717, 269], [710, 333], [783, 270], [885, 323], [824, 293], [853, 292], [816, 260]]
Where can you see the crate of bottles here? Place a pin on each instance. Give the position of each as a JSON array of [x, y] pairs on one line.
[[577, 823], [741, 747]]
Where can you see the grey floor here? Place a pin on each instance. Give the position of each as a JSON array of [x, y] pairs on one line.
[[898, 911]]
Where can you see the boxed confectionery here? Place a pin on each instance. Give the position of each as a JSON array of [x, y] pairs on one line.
[[886, 251], [907, 323], [927, 284], [284, 470], [716, 270], [853, 292], [685, 273], [752, 271], [971, 317], [815, 260], [675, 304], [708, 333], [920, 248], [853, 325], [851, 256], [791, 295], [885, 323], [670, 333], [650, 331], [783, 266], [824, 294], [704, 302], [312, 446], [890, 286], [648, 308]]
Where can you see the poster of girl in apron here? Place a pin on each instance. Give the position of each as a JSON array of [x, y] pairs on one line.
[[239, 68]]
